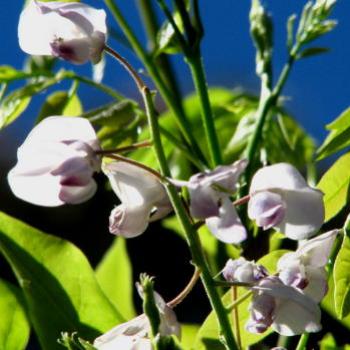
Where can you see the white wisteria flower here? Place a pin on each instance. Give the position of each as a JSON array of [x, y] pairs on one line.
[[134, 335], [305, 268], [242, 270], [281, 198], [284, 308], [56, 163], [143, 196], [210, 200], [70, 30]]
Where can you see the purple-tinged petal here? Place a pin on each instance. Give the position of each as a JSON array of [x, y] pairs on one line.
[[227, 226], [267, 208], [129, 222], [77, 194], [241, 270]]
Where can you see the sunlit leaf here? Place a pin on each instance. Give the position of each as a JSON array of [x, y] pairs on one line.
[[14, 326], [114, 274], [60, 288], [335, 186]]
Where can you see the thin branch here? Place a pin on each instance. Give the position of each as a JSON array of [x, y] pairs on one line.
[[184, 293], [132, 147]]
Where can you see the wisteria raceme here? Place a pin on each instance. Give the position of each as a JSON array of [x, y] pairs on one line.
[[72, 31], [143, 198], [281, 198], [56, 163], [287, 301]]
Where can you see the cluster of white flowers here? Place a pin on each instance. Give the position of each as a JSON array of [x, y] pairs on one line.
[[288, 300], [57, 161]]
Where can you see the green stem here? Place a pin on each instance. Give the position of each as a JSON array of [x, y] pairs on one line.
[[191, 233], [176, 108], [267, 101], [196, 65], [151, 26], [303, 341]]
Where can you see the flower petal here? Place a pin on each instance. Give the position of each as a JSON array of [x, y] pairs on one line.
[[277, 176], [134, 186], [304, 213], [227, 227], [40, 190], [77, 194], [64, 129]]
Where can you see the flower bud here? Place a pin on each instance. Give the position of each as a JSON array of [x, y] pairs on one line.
[[241, 270], [72, 31], [56, 163]]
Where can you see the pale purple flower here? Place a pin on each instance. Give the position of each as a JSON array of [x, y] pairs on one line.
[[70, 30], [56, 163], [305, 268], [286, 309], [281, 198], [242, 270], [210, 200], [134, 335], [143, 199]]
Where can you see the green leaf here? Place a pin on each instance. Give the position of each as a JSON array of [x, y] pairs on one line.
[[8, 74], [59, 285], [114, 274], [338, 138], [208, 334], [313, 51], [15, 103], [14, 326], [60, 103], [341, 276], [188, 335], [335, 186]]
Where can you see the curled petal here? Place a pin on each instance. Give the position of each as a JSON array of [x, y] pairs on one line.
[[129, 221], [242, 270], [77, 194], [227, 226], [267, 208]]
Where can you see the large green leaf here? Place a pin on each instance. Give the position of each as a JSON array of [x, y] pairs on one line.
[[188, 335], [14, 326], [341, 276], [208, 335], [339, 136], [59, 286], [114, 274], [335, 186]]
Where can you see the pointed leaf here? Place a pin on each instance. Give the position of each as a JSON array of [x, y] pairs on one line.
[[114, 274], [59, 286], [14, 326], [341, 276], [335, 186]]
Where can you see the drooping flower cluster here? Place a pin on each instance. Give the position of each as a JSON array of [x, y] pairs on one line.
[[287, 302], [72, 31]]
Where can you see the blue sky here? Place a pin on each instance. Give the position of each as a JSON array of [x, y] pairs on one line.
[[318, 90]]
